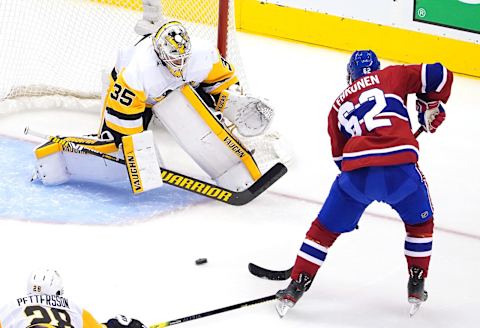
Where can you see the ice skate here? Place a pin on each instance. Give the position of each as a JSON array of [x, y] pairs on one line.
[[416, 292], [288, 297]]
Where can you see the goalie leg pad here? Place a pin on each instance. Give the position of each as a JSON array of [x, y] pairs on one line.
[[197, 130], [141, 162], [54, 165], [52, 169]]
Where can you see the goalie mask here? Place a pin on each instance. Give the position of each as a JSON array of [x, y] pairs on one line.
[[45, 281], [361, 63], [172, 46]]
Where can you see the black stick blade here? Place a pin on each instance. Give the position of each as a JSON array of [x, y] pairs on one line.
[[262, 184], [269, 274]]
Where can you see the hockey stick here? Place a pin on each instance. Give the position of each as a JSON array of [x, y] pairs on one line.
[[212, 312], [182, 181], [269, 274], [285, 274], [418, 132]]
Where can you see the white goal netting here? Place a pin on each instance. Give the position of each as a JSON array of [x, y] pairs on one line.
[[60, 47]]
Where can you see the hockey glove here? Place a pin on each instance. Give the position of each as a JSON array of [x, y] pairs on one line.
[[121, 321], [251, 115], [430, 114]]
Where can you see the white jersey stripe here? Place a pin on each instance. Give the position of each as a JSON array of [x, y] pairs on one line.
[[393, 114], [380, 151], [444, 80], [418, 254], [417, 240], [315, 245], [424, 78], [392, 95], [124, 123], [310, 258]]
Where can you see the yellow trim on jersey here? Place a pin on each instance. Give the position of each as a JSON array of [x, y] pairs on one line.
[[221, 133], [89, 321], [224, 85], [124, 99], [221, 76], [123, 130]]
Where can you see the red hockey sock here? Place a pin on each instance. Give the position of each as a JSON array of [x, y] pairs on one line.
[[418, 245], [314, 250]]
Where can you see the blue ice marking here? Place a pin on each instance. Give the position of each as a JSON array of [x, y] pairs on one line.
[[75, 202]]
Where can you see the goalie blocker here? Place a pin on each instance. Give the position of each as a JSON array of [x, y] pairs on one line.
[[204, 138]]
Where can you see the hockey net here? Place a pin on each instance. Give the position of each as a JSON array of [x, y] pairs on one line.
[[60, 47], [54, 52]]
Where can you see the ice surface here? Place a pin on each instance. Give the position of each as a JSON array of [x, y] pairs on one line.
[[146, 268]]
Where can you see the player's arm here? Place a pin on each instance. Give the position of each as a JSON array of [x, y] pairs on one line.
[[432, 84], [431, 81], [124, 108], [337, 139], [89, 321], [220, 78], [251, 115]]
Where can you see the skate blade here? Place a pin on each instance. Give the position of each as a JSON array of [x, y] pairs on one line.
[[283, 306], [34, 176], [414, 308]]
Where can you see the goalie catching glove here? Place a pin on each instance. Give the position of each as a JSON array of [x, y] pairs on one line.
[[251, 116], [430, 114]]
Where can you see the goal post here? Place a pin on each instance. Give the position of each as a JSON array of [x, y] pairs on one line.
[[222, 27]]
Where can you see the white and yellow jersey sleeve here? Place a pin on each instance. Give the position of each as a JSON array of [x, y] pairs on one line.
[[221, 77], [124, 106], [45, 311]]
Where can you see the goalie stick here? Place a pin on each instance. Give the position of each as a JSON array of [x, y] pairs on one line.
[[212, 312], [182, 181], [285, 274]]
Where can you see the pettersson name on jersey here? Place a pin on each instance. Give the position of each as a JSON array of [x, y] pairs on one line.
[[50, 300]]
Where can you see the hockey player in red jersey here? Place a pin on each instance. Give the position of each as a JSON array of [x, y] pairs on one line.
[[374, 147]]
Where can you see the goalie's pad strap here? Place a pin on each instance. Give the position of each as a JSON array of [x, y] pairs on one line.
[[222, 134], [48, 148]]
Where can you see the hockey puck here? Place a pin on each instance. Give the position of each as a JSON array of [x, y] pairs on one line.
[[201, 261]]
